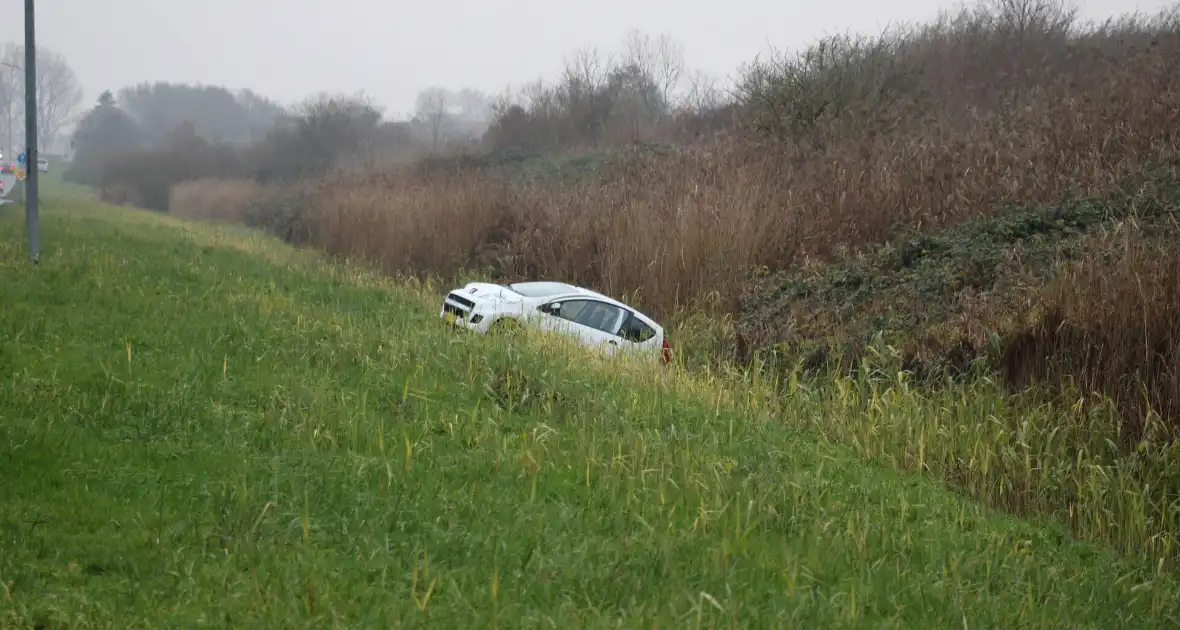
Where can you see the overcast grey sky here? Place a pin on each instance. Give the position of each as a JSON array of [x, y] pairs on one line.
[[288, 49]]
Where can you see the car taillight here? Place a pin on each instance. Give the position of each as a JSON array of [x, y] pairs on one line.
[[666, 352]]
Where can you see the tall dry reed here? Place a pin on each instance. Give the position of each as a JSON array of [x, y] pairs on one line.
[[675, 228], [215, 199]]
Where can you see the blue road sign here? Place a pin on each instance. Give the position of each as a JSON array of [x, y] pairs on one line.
[[20, 159]]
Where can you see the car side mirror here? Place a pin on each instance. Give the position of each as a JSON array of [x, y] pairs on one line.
[[549, 309]]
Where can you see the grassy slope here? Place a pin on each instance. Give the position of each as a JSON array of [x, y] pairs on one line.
[[202, 427]]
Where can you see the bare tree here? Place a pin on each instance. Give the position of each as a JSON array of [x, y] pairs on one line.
[[431, 108], [586, 68], [658, 62], [668, 65], [472, 113], [58, 96], [702, 93], [583, 88], [12, 94], [473, 104], [1025, 18], [539, 98], [508, 98], [639, 52]]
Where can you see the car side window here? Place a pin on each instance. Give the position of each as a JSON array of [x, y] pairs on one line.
[[591, 313], [635, 330], [569, 309]]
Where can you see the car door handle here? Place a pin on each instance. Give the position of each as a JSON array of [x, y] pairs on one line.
[[613, 342]]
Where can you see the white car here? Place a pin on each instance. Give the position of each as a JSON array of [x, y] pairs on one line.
[[593, 318], [43, 165]]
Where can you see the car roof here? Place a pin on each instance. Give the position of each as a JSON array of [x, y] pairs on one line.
[[548, 289], [542, 288], [552, 290]]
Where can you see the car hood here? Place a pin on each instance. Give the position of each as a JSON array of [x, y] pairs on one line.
[[488, 292]]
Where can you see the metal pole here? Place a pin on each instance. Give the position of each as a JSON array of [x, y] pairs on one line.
[[31, 215]]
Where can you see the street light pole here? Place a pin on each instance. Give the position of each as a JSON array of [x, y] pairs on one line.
[[32, 220]]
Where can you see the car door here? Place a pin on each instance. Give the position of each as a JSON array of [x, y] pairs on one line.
[[637, 335], [593, 322], [559, 316]]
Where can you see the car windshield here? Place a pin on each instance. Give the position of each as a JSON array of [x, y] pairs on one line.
[[541, 289]]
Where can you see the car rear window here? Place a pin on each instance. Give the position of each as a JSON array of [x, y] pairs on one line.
[[635, 330]]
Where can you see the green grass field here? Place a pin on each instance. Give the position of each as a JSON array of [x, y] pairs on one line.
[[200, 427]]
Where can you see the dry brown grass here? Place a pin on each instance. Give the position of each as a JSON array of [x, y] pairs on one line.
[[1110, 325], [674, 229], [404, 223], [213, 199]]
